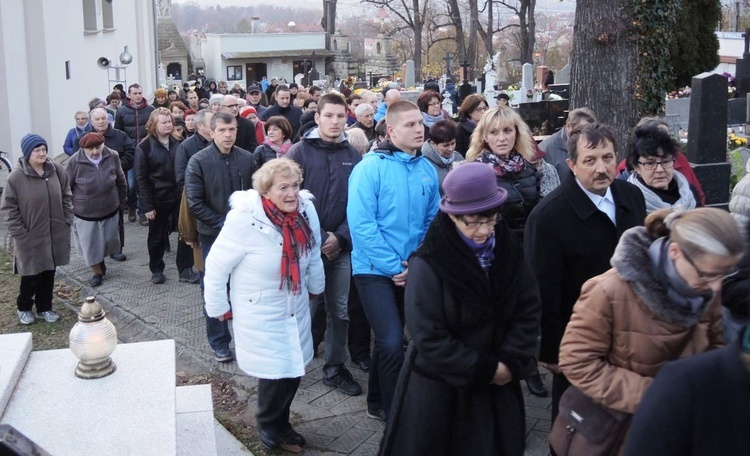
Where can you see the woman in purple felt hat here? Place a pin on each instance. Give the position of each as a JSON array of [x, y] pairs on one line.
[[472, 309]]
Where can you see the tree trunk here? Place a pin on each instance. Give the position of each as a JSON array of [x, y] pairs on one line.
[[418, 27], [471, 51], [528, 30], [604, 65], [455, 14]]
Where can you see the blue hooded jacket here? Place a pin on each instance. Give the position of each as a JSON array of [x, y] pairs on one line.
[[393, 197]]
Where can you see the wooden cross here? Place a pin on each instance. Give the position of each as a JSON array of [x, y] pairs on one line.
[[448, 59], [466, 67]]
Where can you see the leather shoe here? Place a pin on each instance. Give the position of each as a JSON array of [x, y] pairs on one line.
[[96, 280], [119, 256], [292, 437], [270, 439], [131, 215], [536, 386], [363, 365], [158, 278], [143, 220]]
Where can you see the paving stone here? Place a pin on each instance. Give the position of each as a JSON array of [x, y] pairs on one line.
[[351, 404], [338, 425], [365, 450], [537, 444], [350, 440]]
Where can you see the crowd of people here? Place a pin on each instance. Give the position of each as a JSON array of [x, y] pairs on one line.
[[467, 254]]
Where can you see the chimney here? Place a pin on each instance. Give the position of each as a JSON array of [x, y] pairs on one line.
[[254, 24]]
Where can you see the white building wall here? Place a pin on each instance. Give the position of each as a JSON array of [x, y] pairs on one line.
[[37, 37], [216, 44]]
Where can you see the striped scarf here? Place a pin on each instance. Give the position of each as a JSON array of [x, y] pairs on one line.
[[298, 241]]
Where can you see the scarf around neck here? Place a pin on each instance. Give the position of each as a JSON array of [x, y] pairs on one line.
[[280, 150], [678, 292], [429, 120], [485, 253], [654, 201], [513, 164], [298, 242]]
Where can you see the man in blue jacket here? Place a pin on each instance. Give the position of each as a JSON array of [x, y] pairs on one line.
[[393, 197]]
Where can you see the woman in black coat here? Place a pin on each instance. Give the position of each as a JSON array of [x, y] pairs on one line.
[[472, 308], [469, 114], [504, 141]]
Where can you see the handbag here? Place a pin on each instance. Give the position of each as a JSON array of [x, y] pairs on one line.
[[586, 428]]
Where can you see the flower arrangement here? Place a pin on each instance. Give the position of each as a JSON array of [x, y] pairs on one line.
[[512, 87], [529, 93], [734, 141]]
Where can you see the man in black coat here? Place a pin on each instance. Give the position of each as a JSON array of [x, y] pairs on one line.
[[283, 107], [572, 233], [212, 175], [698, 405], [245, 128], [131, 118], [120, 142], [327, 160], [194, 144]]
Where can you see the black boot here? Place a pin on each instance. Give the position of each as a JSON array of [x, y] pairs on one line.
[[536, 386]]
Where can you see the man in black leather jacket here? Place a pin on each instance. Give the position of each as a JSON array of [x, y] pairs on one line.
[[212, 175]]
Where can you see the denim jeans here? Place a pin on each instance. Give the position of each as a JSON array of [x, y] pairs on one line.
[[217, 331], [383, 303], [132, 191], [336, 299]]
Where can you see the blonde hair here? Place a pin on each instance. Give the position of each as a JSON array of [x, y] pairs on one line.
[[702, 231], [358, 139], [495, 118], [278, 167]]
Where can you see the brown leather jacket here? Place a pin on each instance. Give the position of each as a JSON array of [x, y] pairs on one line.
[[614, 345]]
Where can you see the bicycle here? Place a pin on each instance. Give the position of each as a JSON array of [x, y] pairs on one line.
[[5, 169]]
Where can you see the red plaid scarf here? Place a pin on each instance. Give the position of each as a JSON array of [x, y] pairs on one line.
[[298, 241]]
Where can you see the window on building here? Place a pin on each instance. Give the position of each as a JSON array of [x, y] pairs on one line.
[[108, 18], [89, 16], [234, 72]]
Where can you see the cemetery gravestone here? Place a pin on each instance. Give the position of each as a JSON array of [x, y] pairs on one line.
[[707, 136], [409, 79], [527, 80]]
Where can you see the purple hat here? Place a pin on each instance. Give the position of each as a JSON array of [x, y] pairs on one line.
[[471, 188]]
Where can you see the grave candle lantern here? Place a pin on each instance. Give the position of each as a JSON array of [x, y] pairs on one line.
[[92, 341]]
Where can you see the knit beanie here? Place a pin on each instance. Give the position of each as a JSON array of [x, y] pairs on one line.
[[31, 142]]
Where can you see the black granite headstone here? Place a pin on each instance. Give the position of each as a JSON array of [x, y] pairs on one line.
[[736, 111], [313, 75], [544, 117], [560, 89], [707, 136]]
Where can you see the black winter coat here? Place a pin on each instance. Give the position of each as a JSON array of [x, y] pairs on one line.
[[291, 113], [735, 294], [121, 143], [463, 139], [262, 154], [568, 241], [132, 120], [154, 173], [463, 323], [327, 167], [185, 152], [523, 196], [369, 132], [245, 134], [696, 406], [210, 179]]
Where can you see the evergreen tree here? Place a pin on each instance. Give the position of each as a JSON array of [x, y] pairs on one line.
[[695, 48]]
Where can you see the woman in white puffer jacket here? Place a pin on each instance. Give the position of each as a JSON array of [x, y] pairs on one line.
[[269, 251]]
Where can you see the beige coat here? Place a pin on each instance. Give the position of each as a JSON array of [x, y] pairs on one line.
[[614, 345], [39, 213]]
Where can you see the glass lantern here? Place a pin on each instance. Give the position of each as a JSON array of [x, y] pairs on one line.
[[92, 341]]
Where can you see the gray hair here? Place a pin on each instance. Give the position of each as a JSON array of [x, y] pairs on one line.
[[200, 117], [363, 109], [216, 99]]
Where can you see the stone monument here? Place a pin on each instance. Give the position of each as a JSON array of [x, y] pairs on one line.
[[172, 49], [489, 82]]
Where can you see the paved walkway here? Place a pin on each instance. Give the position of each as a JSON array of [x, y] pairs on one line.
[[332, 422]]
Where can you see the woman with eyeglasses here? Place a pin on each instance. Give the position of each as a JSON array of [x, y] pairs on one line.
[[472, 307], [660, 301], [651, 162], [431, 105], [471, 110]]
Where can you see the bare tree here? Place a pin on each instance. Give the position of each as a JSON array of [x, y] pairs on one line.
[[412, 13], [525, 10]]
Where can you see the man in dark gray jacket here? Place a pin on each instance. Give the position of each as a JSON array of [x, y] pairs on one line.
[[212, 175], [556, 146], [327, 160]]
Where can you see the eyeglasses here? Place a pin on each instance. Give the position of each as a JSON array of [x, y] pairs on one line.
[[666, 163], [231, 105], [477, 225], [481, 108], [434, 103], [706, 277]]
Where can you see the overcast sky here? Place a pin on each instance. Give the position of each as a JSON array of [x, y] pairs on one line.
[[347, 7]]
